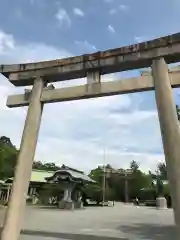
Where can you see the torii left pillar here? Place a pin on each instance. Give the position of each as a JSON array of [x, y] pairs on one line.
[[14, 215]]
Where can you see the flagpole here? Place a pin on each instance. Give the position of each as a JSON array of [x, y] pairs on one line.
[[104, 175]]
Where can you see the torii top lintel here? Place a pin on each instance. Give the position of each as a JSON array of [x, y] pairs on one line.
[[114, 60]]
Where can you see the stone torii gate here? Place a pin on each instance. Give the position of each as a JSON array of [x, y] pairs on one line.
[[155, 54]]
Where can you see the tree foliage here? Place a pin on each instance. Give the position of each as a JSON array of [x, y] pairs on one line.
[[134, 166], [162, 171], [45, 166], [8, 157], [178, 112], [115, 181]]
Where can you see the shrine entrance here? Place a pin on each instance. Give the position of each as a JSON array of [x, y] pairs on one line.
[[155, 54]]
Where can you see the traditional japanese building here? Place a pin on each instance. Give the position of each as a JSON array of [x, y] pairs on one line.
[[38, 179], [71, 180]]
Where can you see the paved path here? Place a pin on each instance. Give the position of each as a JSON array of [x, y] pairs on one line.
[[96, 223]]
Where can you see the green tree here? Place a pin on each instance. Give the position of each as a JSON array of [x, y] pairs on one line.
[[134, 166], [45, 166], [116, 184], [97, 175], [94, 192], [37, 165], [50, 167], [8, 158], [6, 140], [137, 180], [162, 171], [178, 112]]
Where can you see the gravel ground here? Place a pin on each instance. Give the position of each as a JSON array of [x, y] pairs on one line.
[[95, 223]]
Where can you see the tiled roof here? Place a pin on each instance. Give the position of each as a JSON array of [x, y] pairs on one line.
[[38, 176], [71, 174], [76, 175], [42, 176]]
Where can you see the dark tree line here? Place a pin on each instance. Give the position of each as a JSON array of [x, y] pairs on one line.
[[8, 158], [115, 181]]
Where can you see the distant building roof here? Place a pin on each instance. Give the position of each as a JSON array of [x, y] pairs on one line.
[[42, 176], [70, 174], [37, 176], [71, 169]]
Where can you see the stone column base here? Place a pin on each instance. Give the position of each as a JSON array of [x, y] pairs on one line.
[[161, 203], [78, 205], [66, 205]]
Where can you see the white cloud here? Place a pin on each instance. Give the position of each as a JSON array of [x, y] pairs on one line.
[[6, 42], [85, 45], [108, 1], [78, 12], [10, 49], [32, 2], [76, 132], [113, 11], [18, 13], [143, 38], [123, 7], [63, 17], [139, 39], [111, 29], [120, 8], [37, 3]]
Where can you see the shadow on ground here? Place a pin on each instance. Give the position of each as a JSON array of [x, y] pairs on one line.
[[56, 207], [149, 231], [69, 236]]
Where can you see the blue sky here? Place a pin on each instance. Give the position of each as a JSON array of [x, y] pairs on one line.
[[125, 126]]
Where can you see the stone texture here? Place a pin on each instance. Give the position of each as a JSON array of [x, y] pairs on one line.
[[78, 205], [138, 84], [170, 130], [14, 215], [66, 205], [114, 60], [121, 221], [161, 203]]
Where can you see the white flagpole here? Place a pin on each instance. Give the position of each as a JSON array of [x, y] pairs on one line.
[[104, 176]]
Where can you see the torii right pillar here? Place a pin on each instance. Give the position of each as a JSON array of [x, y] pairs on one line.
[[170, 131]]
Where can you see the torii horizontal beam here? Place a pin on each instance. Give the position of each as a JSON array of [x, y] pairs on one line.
[[114, 60], [99, 89]]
